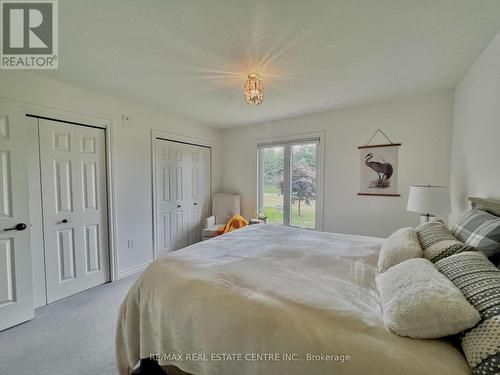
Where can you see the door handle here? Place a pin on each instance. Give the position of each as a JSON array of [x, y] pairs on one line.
[[178, 206], [19, 227], [195, 204], [63, 221]]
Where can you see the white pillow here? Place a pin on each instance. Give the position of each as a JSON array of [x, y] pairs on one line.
[[400, 246], [420, 302]]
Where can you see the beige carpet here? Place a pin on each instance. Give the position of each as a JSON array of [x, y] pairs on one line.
[[71, 336]]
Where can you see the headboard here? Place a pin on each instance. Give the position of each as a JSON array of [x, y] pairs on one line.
[[489, 205]]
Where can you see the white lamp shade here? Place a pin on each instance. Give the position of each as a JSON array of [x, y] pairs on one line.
[[433, 200]]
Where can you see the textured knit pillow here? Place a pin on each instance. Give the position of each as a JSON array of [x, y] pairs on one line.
[[438, 242], [420, 302], [398, 247], [479, 281], [479, 229]]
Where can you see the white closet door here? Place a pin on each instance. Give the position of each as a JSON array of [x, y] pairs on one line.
[[165, 175], [179, 187], [182, 191], [73, 175], [16, 287], [171, 184], [198, 190]]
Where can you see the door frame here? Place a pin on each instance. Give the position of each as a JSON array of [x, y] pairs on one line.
[[109, 180], [172, 137], [33, 111]]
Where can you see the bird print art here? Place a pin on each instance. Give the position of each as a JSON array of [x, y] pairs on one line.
[[383, 170], [378, 166]]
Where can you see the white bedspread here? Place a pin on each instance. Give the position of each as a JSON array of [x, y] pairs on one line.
[[265, 300]]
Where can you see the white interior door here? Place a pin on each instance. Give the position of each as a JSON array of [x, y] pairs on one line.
[[182, 192], [16, 288], [73, 175], [171, 176], [180, 197], [199, 190]]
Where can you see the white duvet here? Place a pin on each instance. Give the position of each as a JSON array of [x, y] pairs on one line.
[[271, 300]]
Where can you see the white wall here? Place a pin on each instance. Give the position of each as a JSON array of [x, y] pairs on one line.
[[475, 164], [422, 124], [132, 151]]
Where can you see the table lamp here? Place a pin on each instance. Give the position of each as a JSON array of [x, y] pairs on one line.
[[429, 201]]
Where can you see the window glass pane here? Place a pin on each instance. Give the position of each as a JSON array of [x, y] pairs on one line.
[[272, 179], [303, 192]]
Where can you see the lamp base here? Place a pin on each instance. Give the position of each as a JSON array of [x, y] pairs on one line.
[[425, 218]]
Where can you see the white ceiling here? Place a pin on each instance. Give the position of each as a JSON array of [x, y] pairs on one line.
[[192, 56]]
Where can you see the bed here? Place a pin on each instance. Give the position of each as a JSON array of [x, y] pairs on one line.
[[270, 299]]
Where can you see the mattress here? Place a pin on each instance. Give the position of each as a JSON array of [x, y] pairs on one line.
[[271, 299]]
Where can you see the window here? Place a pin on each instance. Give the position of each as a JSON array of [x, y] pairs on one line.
[[288, 182]]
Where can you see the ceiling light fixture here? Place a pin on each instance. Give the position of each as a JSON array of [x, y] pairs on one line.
[[254, 90]]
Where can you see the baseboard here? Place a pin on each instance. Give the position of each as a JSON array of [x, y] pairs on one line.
[[132, 270]]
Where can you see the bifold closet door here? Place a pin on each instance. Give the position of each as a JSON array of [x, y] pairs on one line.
[[171, 196], [73, 176], [16, 286], [182, 193], [199, 191]]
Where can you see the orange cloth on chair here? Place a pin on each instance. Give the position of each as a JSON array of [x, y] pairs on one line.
[[236, 222]]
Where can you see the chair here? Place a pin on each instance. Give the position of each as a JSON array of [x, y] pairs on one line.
[[224, 207]]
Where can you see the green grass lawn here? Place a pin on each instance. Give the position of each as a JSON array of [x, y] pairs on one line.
[[271, 189], [272, 203]]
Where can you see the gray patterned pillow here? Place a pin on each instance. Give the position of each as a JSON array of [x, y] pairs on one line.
[[479, 229], [437, 241], [479, 281], [481, 346]]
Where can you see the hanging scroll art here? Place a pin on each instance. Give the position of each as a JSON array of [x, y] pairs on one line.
[[379, 168]]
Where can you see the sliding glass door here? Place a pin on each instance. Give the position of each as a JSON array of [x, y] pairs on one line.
[[272, 179], [288, 182]]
